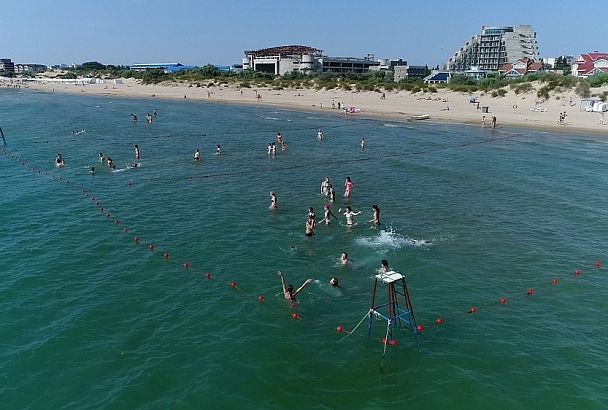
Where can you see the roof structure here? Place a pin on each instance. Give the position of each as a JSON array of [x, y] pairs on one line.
[[284, 51], [591, 63], [520, 68]]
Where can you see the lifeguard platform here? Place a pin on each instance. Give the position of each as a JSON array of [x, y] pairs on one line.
[[394, 311]]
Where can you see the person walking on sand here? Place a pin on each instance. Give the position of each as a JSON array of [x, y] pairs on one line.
[[288, 291], [493, 121], [348, 187]]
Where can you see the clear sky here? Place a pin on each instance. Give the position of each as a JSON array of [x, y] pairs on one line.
[[197, 32]]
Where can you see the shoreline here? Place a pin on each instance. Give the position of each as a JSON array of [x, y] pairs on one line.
[[444, 106]]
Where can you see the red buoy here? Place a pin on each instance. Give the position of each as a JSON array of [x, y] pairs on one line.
[[136, 239], [232, 284], [393, 342], [260, 298], [383, 341], [530, 291], [151, 246], [503, 300], [597, 264], [339, 329], [186, 265], [165, 255], [208, 275], [472, 310], [577, 272], [554, 281], [294, 315], [419, 328], [438, 321]]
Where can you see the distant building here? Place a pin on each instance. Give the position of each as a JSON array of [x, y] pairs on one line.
[[493, 47], [164, 67], [7, 65], [590, 63], [403, 72], [303, 59], [30, 68], [474, 73], [438, 77], [520, 68]]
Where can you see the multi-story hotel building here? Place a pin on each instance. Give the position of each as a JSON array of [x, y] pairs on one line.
[[493, 47]]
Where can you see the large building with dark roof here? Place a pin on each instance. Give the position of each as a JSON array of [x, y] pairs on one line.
[[285, 59]]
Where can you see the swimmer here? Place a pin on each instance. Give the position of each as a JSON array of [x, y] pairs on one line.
[[133, 118], [348, 187], [136, 152], [310, 226], [279, 138], [92, 171], [327, 214], [273, 200], [349, 214], [362, 143], [331, 193], [383, 266], [155, 113], [376, 215], [319, 136], [101, 157], [110, 163], [197, 155], [288, 291], [59, 163], [325, 186], [344, 259], [311, 213], [334, 282], [132, 165], [218, 150]]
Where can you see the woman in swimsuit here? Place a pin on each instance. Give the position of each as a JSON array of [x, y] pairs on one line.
[[348, 187], [349, 214], [288, 291], [376, 215], [273, 200], [310, 226], [328, 213]]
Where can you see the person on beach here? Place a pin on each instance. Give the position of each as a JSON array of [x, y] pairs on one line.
[[348, 187], [483, 121], [349, 215], [493, 121], [310, 226], [197, 155], [327, 215], [137, 152], [376, 215], [383, 266], [273, 200], [325, 186], [344, 259], [288, 291], [218, 150]]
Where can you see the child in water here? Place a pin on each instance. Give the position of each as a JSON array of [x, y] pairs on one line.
[[376, 215], [288, 291]]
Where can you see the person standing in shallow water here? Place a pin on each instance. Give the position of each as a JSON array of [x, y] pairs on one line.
[[273, 200], [137, 152], [197, 155], [348, 187], [376, 215]]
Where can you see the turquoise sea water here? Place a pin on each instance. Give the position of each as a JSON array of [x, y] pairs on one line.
[[90, 319]]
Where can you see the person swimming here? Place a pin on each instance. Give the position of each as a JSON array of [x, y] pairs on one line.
[[288, 291], [137, 152], [197, 155], [334, 282], [59, 163], [218, 150], [327, 214], [344, 258], [92, 171], [101, 157], [273, 200]]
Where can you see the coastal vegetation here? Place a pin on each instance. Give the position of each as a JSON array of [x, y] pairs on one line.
[[543, 83]]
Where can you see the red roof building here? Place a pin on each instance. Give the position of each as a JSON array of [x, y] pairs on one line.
[[520, 68], [589, 64]]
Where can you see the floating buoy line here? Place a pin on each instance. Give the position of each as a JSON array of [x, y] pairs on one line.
[[259, 298]]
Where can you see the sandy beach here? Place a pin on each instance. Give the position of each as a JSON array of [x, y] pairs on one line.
[[524, 110]]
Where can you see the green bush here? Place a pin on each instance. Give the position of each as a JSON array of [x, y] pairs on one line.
[[582, 89], [597, 80], [543, 92]]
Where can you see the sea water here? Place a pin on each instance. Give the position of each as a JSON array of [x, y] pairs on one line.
[[89, 318]]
